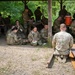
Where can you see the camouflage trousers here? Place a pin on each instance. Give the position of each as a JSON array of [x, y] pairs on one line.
[[66, 52], [44, 40], [19, 42]]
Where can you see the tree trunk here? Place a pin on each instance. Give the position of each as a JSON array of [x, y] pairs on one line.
[[50, 23], [61, 4]]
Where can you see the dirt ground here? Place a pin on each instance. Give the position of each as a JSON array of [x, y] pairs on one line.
[[28, 60]]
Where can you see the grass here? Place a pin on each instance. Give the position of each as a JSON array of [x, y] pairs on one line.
[[37, 72], [33, 58], [4, 70], [47, 56]]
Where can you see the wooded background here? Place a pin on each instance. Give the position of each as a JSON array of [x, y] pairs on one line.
[[15, 8]]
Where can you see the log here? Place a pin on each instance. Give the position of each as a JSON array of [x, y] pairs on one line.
[[72, 57], [51, 60], [73, 62]]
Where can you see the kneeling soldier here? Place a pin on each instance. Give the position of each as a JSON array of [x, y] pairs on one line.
[[62, 43]]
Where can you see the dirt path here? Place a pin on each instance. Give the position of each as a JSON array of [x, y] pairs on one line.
[[26, 60]]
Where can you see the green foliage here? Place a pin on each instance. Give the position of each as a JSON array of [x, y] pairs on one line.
[[15, 8], [43, 4]]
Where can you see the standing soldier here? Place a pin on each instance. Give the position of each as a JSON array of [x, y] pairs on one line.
[[44, 34], [38, 14], [25, 18], [63, 11], [34, 37], [25, 15], [62, 43]]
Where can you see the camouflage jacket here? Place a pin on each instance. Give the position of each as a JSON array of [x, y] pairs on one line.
[[62, 41], [44, 33], [33, 36], [12, 38]]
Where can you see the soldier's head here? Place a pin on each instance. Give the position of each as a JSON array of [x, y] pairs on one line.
[[62, 27], [46, 26], [9, 16], [17, 22], [35, 29], [38, 8], [26, 8], [64, 7], [15, 29]]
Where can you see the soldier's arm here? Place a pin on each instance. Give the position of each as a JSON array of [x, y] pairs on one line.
[[15, 38], [30, 37], [21, 28], [42, 34], [54, 41], [71, 42], [39, 36]]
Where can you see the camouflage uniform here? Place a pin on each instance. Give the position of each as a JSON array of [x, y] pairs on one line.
[[62, 42], [72, 29], [9, 31], [25, 17], [34, 38], [44, 35], [12, 39], [20, 32]]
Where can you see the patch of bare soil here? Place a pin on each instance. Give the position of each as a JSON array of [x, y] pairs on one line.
[[26, 60]]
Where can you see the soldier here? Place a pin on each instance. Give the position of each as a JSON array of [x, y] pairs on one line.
[[44, 20], [63, 11], [44, 34], [56, 25], [34, 37], [12, 38], [30, 14], [38, 14], [72, 29], [25, 15], [62, 43], [20, 32], [18, 25]]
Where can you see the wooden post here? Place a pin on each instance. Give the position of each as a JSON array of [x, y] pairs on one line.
[[50, 22]]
